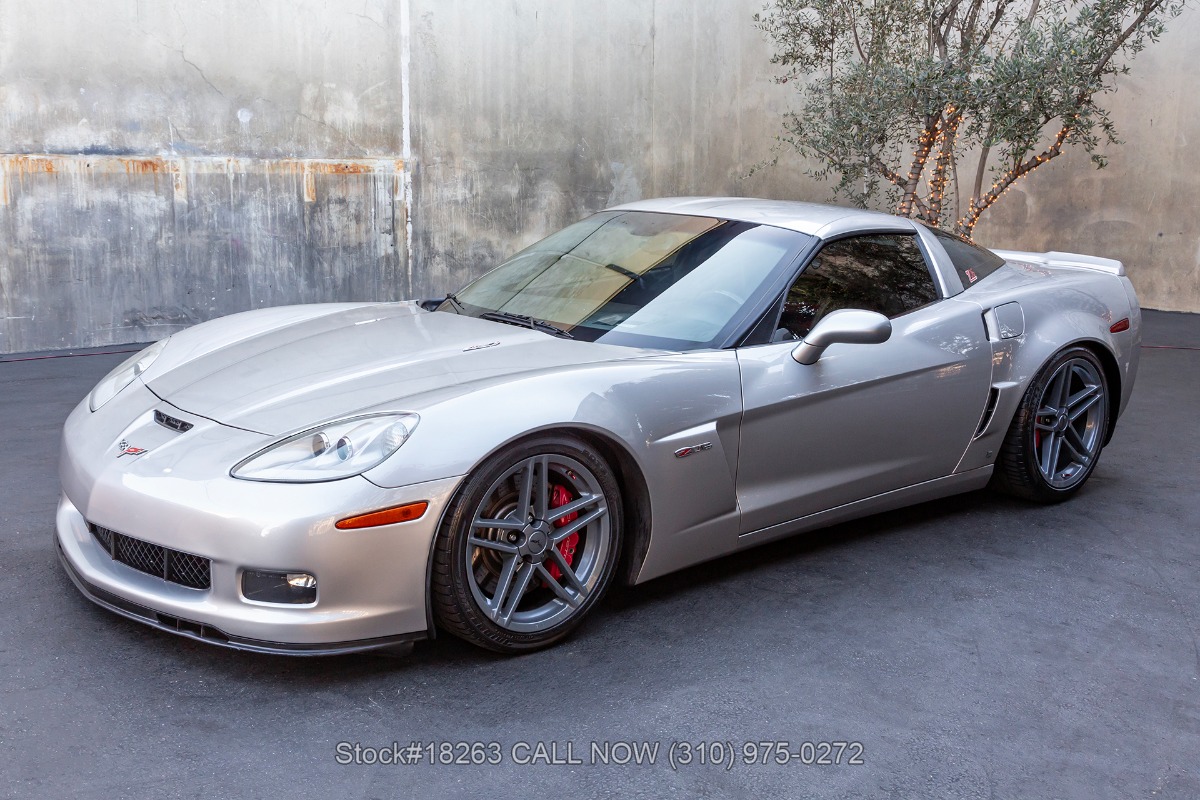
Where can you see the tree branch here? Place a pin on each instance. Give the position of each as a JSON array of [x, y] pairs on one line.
[[997, 16], [980, 204], [895, 178], [966, 42], [887, 172], [941, 27], [957, 193], [1148, 8], [981, 170], [849, 10]]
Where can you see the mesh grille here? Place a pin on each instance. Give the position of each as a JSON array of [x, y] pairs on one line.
[[188, 570], [140, 555], [104, 536], [153, 559]]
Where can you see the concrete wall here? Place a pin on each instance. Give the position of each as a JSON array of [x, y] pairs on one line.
[[162, 163], [1144, 207], [543, 111], [206, 158], [530, 113]]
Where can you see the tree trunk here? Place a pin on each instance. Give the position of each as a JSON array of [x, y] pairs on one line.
[[925, 142], [941, 170]]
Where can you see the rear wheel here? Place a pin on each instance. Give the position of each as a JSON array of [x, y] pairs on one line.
[[529, 544], [1058, 432]]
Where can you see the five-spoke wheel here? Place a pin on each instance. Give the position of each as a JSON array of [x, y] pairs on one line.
[[528, 545], [1068, 425], [1058, 431]]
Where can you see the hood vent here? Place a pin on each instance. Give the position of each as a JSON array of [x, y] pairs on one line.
[[172, 423]]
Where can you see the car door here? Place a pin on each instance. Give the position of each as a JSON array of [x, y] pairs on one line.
[[865, 418]]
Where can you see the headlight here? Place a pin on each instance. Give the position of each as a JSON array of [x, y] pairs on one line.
[[334, 450], [123, 375]]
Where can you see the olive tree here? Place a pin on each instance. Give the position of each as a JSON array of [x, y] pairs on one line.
[[939, 106]]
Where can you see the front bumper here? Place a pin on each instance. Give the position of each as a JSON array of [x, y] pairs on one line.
[[371, 583], [208, 633]]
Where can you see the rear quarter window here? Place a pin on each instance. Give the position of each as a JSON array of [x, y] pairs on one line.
[[972, 262]]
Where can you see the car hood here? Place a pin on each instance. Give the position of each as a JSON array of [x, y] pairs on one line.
[[278, 373]]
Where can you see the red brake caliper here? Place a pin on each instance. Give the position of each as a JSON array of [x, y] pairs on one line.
[[560, 497]]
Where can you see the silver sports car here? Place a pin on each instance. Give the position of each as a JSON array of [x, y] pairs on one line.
[[659, 384]]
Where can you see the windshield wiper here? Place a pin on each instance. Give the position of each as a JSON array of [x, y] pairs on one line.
[[456, 304], [525, 322], [628, 273]]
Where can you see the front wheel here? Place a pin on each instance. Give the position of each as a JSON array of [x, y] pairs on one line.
[[529, 544], [1056, 436]]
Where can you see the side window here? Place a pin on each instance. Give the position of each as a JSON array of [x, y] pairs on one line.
[[972, 262], [881, 272]]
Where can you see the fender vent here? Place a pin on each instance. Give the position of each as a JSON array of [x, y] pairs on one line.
[[988, 412]]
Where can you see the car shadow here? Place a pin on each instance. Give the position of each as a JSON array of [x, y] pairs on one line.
[[447, 653], [805, 545]]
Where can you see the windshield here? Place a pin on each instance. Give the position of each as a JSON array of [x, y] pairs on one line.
[[636, 278]]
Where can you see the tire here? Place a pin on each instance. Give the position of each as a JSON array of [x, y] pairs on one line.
[[1055, 439], [529, 577]]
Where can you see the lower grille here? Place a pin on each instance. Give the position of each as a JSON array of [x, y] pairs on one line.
[[175, 566]]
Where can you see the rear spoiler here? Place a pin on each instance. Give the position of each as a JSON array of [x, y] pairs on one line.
[[1068, 260]]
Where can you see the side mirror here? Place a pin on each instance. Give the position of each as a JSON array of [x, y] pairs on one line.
[[848, 326]]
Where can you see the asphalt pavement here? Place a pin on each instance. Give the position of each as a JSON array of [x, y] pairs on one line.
[[976, 647]]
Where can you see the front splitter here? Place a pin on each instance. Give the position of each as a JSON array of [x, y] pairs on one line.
[[208, 634]]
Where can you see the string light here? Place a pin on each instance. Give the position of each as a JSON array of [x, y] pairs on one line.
[[937, 181]]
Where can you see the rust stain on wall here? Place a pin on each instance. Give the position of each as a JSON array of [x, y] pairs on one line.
[[310, 186], [118, 248], [143, 166], [17, 166]]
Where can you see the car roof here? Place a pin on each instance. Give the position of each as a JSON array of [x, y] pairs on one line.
[[814, 219]]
